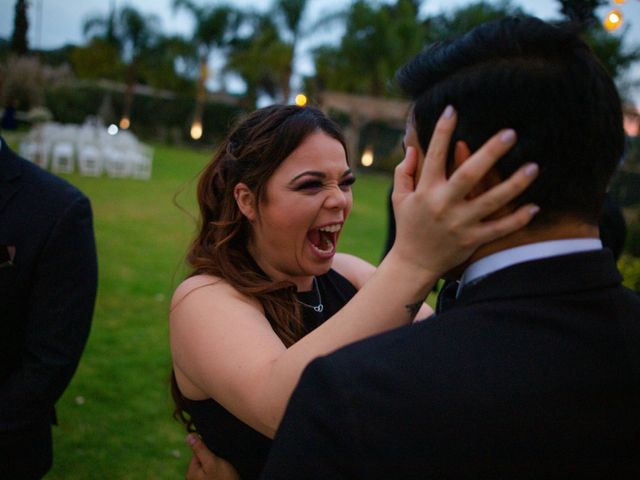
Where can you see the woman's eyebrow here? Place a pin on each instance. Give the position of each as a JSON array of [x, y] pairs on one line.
[[311, 173], [317, 174]]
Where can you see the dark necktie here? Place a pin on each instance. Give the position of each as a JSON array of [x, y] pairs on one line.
[[447, 296]]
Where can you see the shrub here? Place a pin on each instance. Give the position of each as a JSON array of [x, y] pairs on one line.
[[23, 82], [632, 245], [630, 268], [165, 119]]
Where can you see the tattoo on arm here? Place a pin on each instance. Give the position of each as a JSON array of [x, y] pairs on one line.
[[413, 308]]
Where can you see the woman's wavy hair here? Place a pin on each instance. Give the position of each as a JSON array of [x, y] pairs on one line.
[[250, 154]]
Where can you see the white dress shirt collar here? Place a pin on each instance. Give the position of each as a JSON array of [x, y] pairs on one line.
[[526, 253]]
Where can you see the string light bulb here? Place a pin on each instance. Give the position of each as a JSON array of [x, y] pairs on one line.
[[613, 20], [301, 99]]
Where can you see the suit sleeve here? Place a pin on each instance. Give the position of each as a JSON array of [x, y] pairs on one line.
[[57, 321], [315, 438]]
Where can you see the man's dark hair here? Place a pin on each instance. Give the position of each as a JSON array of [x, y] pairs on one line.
[[541, 80]]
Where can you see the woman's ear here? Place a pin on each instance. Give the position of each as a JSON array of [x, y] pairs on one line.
[[246, 201]]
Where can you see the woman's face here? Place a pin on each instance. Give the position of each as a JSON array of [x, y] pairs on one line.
[[308, 199]]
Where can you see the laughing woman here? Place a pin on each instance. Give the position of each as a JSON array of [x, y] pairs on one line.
[[268, 292]]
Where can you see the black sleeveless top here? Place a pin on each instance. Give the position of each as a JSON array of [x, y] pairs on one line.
[[231, 439]]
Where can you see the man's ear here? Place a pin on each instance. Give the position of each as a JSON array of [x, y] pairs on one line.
[[461, 154], [246, 201]]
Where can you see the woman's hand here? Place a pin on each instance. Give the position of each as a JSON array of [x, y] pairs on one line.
[[204, 465], [438, 226]]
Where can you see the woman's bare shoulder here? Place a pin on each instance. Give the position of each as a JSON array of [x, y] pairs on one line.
[[211, 287], [353, 268]]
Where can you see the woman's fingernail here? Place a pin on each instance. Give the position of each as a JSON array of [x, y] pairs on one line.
[[448, 112], [508, 136], [531, 169], [533, 210], [191, 439]]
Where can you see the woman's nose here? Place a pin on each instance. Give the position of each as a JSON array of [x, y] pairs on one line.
[[336, 198]]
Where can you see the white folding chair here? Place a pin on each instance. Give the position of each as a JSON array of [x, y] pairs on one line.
[[35, 151], [62, 157], [89, 160], [116, 163], [141, 162]]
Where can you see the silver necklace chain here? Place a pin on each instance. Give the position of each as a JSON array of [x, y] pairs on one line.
[[318, 308]]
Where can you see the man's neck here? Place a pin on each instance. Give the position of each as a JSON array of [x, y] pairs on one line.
[[560, 230]]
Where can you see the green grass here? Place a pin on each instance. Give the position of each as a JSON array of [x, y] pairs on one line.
[[115, 417]]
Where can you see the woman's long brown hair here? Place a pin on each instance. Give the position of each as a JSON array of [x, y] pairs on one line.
[[250, 154]]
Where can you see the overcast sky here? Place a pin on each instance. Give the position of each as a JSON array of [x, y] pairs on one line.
[[54, 23]]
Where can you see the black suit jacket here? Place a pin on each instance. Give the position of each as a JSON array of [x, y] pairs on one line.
[[47, 295], [534, 373]]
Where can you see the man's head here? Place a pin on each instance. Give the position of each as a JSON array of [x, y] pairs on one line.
[[544, 82]]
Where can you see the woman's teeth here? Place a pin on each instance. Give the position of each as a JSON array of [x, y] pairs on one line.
[[331, 228]]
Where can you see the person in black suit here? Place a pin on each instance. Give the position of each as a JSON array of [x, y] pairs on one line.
[[48, 281], [533, 370]]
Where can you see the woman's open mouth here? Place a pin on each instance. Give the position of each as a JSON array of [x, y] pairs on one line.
[[323, 240]]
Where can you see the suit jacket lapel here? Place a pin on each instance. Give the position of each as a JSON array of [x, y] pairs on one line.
[[10, 169], [561, 274]]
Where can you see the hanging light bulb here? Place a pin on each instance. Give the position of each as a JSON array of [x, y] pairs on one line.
[[613, 20], [196, 130], [124, 123], [367, 157]]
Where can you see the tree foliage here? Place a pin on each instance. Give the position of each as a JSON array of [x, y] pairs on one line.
[[98, 59], [464, 18], [583, 11], [378, 39], [261, 59], [263, 56], [612, 49]]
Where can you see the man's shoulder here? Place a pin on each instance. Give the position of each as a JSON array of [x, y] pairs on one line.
[[55, 188], [491, 332], [51, 193]]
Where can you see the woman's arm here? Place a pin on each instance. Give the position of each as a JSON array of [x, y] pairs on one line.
[[224, 348], [359, 271]]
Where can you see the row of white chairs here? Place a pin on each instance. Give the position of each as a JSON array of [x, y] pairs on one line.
[[90, 149]]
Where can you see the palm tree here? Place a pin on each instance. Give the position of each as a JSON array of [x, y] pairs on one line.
[[160, 61], [214, 28], [264, 57], [466, 17], [378, 39], [132, 33], [290, 13], [261, 59]]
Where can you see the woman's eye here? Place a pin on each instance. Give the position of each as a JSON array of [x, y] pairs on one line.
[[347, 182], [311, 185]]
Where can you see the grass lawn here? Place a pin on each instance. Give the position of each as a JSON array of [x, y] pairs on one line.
[[115, 417]]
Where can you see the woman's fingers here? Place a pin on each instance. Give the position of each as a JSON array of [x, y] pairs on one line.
[[403, 181], [494, 229], [478, 165], [504, 192], [435, 160]]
